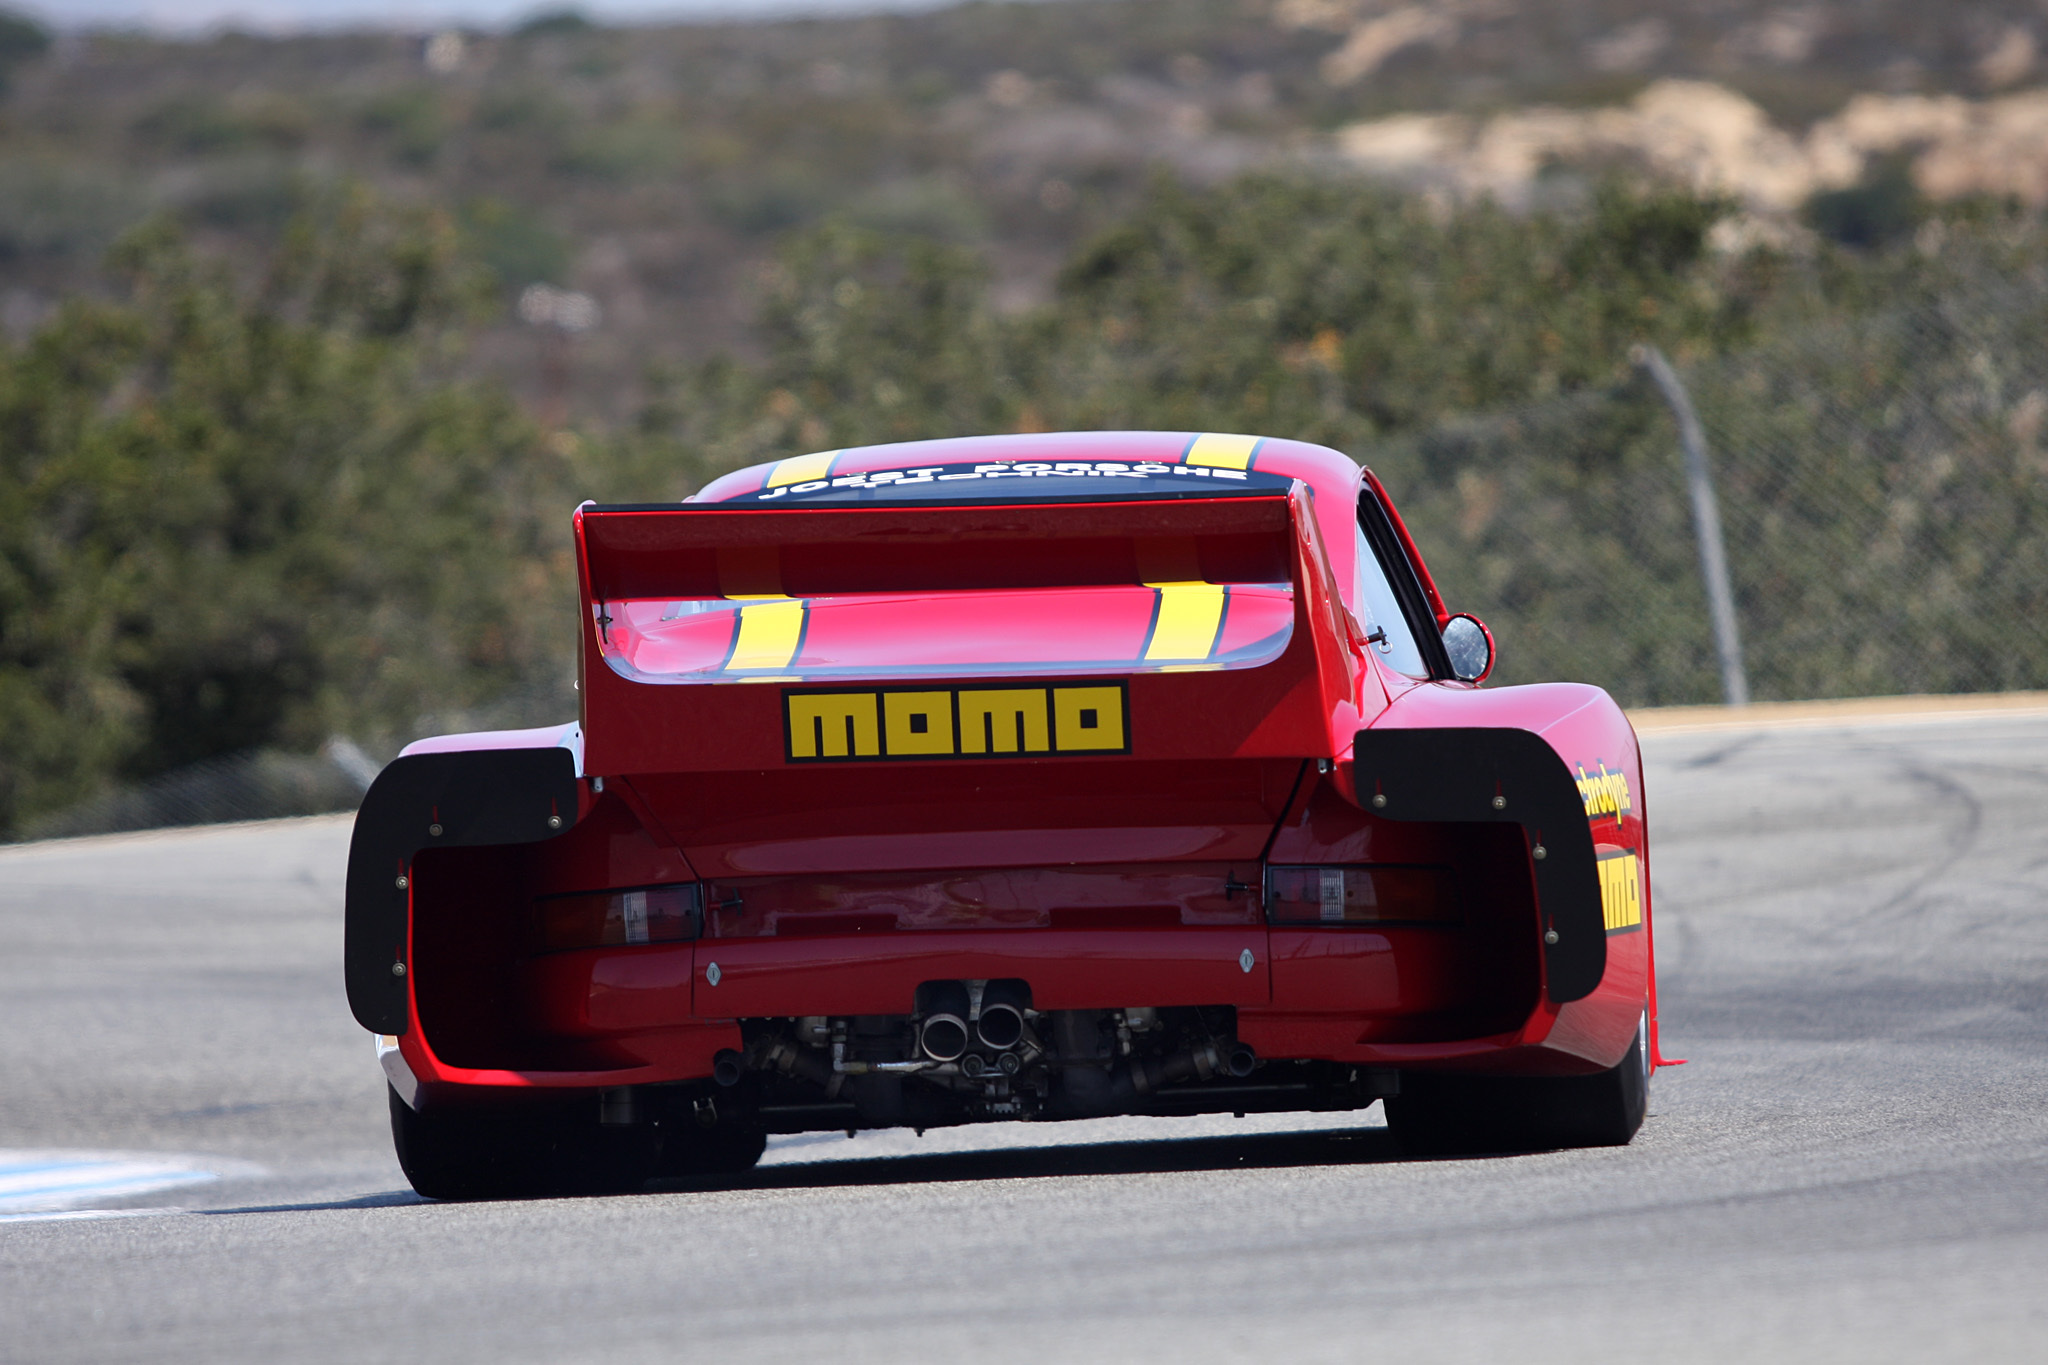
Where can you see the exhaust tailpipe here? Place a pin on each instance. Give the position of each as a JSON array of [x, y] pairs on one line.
[[945, 1005], [1001, 1025], [943, 1037]]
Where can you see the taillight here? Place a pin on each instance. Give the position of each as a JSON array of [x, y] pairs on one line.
[[1360, 895], [648, 914]]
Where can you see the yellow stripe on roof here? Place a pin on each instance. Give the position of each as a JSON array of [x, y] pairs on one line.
[[1222, 452], [802, 468], [769, 633], [1189, 620]]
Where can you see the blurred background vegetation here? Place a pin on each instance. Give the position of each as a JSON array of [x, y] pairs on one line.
[[308, 345]]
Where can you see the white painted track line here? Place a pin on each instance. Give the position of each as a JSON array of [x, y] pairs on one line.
[[40, 1182]]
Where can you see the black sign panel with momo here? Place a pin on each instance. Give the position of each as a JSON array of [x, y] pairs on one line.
[[1000, 721]]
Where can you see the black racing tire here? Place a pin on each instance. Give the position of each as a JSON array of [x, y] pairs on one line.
[[1451, 1115], [725, 1149], [517, 1153]]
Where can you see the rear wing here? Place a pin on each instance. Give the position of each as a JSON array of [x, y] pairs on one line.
[[640, 553], [718, 549]]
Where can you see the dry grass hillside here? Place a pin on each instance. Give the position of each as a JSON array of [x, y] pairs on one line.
[[653, 169]]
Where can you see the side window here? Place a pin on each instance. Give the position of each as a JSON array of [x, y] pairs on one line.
[[1379, 610]]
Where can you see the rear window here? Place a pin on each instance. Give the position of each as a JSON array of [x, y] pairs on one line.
[[1034, 480]]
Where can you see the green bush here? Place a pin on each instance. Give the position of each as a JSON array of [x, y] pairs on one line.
[[1316, 308], [239, 512], [236, 516], [21, 40], [1877, 415]]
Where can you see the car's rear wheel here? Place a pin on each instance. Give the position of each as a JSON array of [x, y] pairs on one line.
[[517, 1153], [1446, 1115]]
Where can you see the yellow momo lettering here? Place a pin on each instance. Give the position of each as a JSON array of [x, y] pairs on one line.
[[1085, 718], [1604, 793], [833, 725], [1621, 890], [918, 723], [1010, 720], [956, 722]]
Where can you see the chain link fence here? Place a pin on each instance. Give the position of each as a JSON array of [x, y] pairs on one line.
[[1883, 487], [259, 785]]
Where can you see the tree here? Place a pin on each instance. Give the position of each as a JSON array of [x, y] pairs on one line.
[[247, 513]]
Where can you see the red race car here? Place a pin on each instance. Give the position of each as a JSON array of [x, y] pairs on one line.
[[1015, 777]]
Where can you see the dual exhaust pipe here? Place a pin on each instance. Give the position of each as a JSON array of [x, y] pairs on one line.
[[946, 1034]]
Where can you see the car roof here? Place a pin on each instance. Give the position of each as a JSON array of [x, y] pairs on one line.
[[1323, 469]]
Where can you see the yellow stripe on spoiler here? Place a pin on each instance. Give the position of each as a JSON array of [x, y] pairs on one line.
[[802, 469], [1222, 452], [768, 635], [1186, 621]]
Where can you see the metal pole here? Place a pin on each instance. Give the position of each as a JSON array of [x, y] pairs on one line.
[[1706, 520]]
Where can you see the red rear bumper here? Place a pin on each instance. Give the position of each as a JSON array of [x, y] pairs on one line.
[[1394, 997]]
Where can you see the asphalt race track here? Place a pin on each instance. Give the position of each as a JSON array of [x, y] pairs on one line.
[[1853, 925]]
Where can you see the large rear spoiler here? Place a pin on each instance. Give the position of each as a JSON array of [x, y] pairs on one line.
[[690, 550], [715, 549]]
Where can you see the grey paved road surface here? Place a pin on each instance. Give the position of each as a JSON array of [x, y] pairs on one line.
[[1854, 1167]]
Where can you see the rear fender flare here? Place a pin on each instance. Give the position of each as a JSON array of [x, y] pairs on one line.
[[486, 796], [1495, 775]]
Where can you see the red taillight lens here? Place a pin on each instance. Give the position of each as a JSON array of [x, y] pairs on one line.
[[1360, 895], [648, 914]]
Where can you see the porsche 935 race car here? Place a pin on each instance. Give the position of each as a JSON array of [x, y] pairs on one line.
[[1026, 777]]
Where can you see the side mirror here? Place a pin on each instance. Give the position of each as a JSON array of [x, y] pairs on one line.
[[1470, 645]]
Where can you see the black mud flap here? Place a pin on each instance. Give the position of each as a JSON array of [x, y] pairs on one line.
[[1496, 775], [485, 796]]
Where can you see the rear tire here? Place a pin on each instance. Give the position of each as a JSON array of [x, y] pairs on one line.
[[1450, 1115], [517, 1153]]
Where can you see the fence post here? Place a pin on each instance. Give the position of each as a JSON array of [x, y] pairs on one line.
[[1706, 520]]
